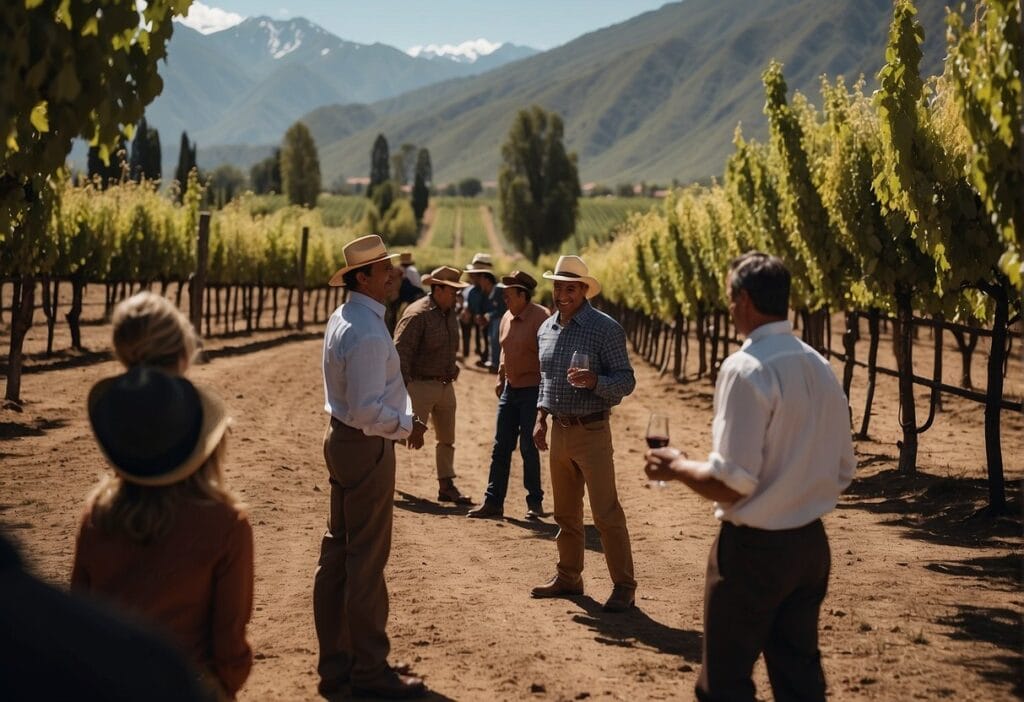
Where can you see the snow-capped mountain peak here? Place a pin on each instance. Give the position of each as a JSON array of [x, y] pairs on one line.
[[466, 52], [277, 44]]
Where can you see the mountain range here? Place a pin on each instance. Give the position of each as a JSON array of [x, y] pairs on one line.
[[654, 98]]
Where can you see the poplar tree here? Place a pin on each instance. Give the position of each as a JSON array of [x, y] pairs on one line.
[[538, 184]]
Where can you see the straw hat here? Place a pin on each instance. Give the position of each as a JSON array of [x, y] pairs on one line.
[[572, 269], [361, 252], [481, 263], [406, 259], [445, 275], [155, 428], [518, 279]]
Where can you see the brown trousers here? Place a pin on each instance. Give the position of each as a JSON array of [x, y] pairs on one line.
[[350, 597], [763, 592], [434, 399], [581, 457]]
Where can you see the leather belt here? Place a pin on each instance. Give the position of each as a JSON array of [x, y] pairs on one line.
[[443, 379], [569, 421]]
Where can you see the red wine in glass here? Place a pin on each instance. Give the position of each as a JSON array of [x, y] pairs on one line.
[[657, 437]]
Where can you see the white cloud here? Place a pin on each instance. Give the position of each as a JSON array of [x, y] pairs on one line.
[[207, 20], [468, 50]]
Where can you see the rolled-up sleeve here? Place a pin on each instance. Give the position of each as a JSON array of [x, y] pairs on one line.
[[738, 451]]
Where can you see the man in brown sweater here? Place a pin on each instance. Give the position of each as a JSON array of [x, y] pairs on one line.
[[427, 338]]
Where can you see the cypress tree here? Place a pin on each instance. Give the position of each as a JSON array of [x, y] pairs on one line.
[[380, 164]]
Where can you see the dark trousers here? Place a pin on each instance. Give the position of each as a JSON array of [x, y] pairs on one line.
[[762, 594], [517, 412], [350, 597]]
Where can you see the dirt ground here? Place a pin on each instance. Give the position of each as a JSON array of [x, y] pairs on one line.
[[925, 599]]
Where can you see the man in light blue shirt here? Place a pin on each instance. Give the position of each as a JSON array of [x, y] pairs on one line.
[[370, 410]]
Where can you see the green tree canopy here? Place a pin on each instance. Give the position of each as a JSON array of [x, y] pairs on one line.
[[145, 160], [380, 165], [186, 164], [265, 176], [300, 166], [538, 184]]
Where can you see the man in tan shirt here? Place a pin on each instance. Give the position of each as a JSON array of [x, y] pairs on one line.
[[427, 338], [517, 388]]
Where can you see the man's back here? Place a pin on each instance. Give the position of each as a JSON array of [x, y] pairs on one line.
[[790, 432]]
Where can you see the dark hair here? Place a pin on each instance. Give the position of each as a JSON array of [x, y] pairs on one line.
[[765, 279], [522, 291], [350, 278]]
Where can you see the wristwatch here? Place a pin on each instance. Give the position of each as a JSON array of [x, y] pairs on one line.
[[416, 420]]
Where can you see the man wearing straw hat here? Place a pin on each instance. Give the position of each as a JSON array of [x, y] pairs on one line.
[[370, 410], [427, 339], [578, 400], [517, 389], [490, 308]]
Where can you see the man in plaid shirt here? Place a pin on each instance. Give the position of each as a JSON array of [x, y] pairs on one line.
[[578, 401]]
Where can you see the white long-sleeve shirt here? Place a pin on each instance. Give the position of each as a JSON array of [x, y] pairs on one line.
[[781, 432], [362, 373]]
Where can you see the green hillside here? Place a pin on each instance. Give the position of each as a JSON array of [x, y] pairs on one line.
[[653, 98]]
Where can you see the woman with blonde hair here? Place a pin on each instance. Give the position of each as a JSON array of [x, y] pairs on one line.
[[149, 330], [163, 537]]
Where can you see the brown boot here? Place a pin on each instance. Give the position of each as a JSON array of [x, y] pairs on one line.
[[557, 588], [622, 598]]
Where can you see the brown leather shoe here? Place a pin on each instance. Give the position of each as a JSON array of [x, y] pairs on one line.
[[622, 598], [557, 588], [450, 493], [485, 511], [391, 685]]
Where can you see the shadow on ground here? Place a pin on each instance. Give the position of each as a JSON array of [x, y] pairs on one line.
[[635, 628]]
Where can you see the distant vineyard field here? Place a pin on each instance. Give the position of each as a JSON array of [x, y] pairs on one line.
[[599, 218]]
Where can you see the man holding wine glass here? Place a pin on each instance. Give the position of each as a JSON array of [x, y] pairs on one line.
[[781, 454], [585, 371]]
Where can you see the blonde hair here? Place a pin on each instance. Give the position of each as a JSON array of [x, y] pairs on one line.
[[149, 330], [145, 514]]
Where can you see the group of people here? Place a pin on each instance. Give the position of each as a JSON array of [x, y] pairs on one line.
[[165, 538]]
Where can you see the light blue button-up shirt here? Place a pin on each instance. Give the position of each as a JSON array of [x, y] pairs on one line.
[[362, 373]]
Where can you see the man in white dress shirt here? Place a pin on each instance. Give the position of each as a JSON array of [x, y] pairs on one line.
[[781, 455], [370, 410]]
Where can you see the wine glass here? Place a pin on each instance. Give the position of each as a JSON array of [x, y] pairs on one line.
[[657, 437], [579, 361]]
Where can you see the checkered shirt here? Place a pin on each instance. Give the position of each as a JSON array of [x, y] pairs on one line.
[[604, 341]]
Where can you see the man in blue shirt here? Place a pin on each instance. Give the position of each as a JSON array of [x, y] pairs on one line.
[[370, 410], [578, 401]]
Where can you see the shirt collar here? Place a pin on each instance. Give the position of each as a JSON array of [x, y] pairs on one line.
[[583, 314], [783, 326], [368, 302]]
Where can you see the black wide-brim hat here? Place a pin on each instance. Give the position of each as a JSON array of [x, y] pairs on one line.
[[154, 428]]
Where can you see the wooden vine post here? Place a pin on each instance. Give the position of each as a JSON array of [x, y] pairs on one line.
[[302, 277], [199, 277]]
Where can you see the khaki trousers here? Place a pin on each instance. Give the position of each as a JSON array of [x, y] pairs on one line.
[[350, 597], [437, 400], [581, 456]]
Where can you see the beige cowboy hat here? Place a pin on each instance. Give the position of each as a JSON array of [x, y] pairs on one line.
[[572, 269], [481, 263], [406, 259], [518, 279], [361, 252], [155, 428], [445, 275]]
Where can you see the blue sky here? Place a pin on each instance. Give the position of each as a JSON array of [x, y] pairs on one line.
[[542, 24]]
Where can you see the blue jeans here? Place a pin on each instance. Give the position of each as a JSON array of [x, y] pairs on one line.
[[517, 413], [493, 332]]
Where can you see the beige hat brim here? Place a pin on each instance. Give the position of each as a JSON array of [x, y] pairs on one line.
[[211, 432], [593, 287], [430, 280], [338, 279]]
